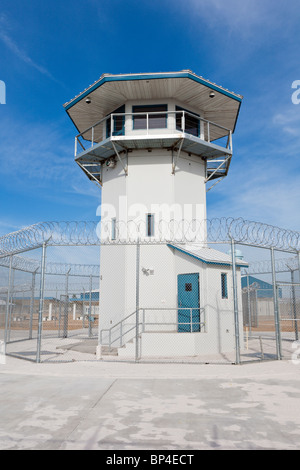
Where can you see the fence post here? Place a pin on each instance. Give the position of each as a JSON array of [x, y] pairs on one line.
[[8, 301], [66, 306], [137, 299], [276, 310], [90, 306], [83, 308], [294, 305], [41, 304], [299, 282], [32, 304], [249, 304], [235, 304], [12, 284]]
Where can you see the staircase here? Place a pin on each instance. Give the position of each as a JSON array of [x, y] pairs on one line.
[[119, 337]]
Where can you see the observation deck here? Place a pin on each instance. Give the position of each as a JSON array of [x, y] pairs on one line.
[[178, 131], [177, 111]]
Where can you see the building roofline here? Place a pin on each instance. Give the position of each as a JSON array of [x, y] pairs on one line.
[[105, 78], [205, 261]]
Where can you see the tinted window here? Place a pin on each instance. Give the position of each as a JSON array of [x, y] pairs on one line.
[[156, 121]]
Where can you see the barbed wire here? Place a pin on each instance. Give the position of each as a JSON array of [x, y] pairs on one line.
[[93, 233], [28, 265], [281, 266]]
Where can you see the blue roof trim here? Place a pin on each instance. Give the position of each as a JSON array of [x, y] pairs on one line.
[[203, 260], [151, 77]]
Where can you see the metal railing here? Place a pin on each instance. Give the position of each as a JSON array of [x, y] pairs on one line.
[[141, 325], [133, 124]]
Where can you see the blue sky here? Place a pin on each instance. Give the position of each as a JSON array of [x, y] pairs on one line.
[[51, 51]]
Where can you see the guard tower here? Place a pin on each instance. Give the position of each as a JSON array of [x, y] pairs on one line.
[[156, 144]]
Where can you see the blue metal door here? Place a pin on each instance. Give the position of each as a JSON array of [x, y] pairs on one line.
[[188, 303]]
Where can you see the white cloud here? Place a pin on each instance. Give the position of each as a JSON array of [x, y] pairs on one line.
[[288, 121], [12, 45], [35, 150], [244, 16], [264, 190]]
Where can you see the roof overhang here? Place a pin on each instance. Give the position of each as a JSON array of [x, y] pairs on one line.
[[112, 91]]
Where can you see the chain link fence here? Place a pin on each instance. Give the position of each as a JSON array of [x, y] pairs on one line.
[[42, 311], [178, 300]]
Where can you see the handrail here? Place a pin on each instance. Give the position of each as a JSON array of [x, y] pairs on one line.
[[117, 324], [144, 323], [183, 127]]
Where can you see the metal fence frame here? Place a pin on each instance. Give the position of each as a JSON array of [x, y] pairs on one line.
[[236, 232]]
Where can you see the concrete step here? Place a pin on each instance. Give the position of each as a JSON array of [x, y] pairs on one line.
[[106, 351]]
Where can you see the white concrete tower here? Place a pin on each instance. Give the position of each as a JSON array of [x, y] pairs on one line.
[[155, 143]]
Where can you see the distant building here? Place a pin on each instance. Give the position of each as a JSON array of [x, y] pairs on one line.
[[264, 289]]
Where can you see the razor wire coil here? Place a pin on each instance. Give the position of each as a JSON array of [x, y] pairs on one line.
[[93, 233]]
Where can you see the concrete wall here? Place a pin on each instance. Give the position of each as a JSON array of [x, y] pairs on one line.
[[158, 296], [150, 187]]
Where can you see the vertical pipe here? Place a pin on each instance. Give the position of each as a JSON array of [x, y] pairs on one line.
[[121, 334], [137, 299], [230, 138], [235, 304], [8, 300], [56, 307], [41, 304], [90, 306], [294, 306], [66, 307], [256, 309], [11, 302], [83, 308], [208, 131], [59, 316], [276, 310], [249, 305], [32, 304]]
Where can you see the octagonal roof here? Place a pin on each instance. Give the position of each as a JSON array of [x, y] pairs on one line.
[[112, 91]]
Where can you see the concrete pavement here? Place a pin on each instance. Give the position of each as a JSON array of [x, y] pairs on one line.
[[110, 406]]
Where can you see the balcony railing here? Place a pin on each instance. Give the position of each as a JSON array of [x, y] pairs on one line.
[[162, 123]]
